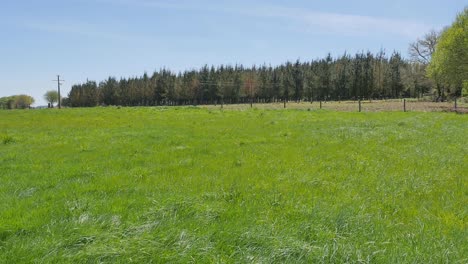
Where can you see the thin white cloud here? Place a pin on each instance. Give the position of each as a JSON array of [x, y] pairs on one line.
[[306, 20], [71, 27], [160, 4], [107, 32], [337, 23], [295, 19]]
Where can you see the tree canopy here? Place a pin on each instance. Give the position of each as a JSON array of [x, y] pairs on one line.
[[438, 64], [21, 101], [364, 75], [51, 97], [450, 59]]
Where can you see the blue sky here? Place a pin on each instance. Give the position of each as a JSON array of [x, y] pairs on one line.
[[94, 39]]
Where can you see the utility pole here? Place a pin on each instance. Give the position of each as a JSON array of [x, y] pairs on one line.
[[58, 87]]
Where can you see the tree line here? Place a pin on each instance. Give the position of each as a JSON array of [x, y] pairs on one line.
[[438, 66], [362, 76], [21, 101]]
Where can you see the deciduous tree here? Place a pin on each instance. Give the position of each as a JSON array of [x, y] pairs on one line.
[[51, 97], [450, 59]]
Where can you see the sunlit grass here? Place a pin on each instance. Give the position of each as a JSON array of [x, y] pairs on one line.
[[207, 185]]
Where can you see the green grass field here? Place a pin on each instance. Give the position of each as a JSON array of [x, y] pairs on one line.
[[197, 185]]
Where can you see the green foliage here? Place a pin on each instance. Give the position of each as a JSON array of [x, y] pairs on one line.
[[183, 185], [21, 101], [87, 94], [364, 75], [395, 81], [465, 89], [449, 61], [51, 97]]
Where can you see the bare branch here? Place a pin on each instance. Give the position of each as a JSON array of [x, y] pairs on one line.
[[422, 49]]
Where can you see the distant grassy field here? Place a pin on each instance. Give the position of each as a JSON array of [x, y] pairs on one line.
[[255, 186]]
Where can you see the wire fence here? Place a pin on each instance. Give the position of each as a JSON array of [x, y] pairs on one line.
[[403, 105]]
